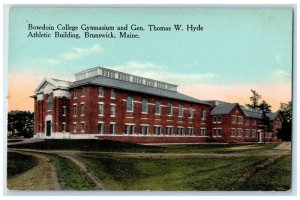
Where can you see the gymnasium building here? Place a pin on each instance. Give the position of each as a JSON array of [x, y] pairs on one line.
[[105, 104]]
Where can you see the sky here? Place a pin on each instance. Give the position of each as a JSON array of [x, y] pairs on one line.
[[238, 50]]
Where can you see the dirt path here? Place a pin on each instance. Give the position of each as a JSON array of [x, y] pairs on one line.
[[89, 173], [41, 177]]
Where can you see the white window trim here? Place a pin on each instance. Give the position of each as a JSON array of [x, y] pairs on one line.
[[115, 112], [114, 129], [83, 103], [102, 103], [64, 109], [83, 88], [101, 122], [102, 91], [113, 97], [132, 105]]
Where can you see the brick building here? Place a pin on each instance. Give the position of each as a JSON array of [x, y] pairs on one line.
[[107, 104]]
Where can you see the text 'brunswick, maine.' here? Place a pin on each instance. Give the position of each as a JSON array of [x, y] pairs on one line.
[[104, 31]]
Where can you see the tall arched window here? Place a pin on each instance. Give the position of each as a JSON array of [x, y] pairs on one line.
[[49, 102]]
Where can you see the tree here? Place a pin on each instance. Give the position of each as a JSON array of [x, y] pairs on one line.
[[20, 123], [285, 133], [254, 99], [266, 122], [264, 106]]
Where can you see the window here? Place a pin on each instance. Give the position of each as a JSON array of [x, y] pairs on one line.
[[83, 92], [145, 106], [64, 111], [112, 128], [157, 108], [157, 130], [64, 127], [113, 110], [190, 131], [74, 127], [75, 93], [219, 119], [100, 128], [129, 129], [101, 92], [214, 119], [233, 119], [247, 121], [279, 125], [253, 133], [49, 102], [180, 131], [82, 125], [254, 122], [233, 132], [144, 129], [100, 109], [170, 130], [240, 132], [217, 132], [240, 120], [203, 131], [170, 109], [82, 109], [180, 113], [113, 94], [247, 133], [129, 104], [203, 114], [75, 110], [191, 115]]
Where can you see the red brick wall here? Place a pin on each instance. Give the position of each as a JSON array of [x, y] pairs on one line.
[[227, 126], [41, 111], [91, 119]]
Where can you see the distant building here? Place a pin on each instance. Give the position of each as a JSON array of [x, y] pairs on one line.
[[107, 104]]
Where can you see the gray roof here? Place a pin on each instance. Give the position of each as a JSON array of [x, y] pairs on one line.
[[251, 113], [129, 86], [222, 109], [226, 108], [272, 116]]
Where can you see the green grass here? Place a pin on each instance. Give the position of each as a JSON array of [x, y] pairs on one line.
[[112, 146], [274, 177], [19, 163], [70, 176], [171, 174]]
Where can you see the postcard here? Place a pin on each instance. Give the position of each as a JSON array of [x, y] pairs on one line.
[[149, 99]]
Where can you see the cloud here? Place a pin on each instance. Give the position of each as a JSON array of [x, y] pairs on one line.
[[51, 61], [273, 94], [164, 73], [281, 75], [77, 53]]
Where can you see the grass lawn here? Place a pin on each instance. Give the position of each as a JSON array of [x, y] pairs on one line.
[[275, 177], [70, 175], [112, 146], [172, 174], [19, 163]]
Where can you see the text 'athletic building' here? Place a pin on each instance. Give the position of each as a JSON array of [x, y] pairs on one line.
[[105, 104]]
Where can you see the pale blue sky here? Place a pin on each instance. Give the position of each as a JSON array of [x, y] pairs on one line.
[[237, 46]]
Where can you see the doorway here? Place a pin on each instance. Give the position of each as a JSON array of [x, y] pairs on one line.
[[260, 136], [48, 128]]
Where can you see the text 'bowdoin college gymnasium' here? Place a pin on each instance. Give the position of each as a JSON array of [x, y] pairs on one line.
[[107, 104]]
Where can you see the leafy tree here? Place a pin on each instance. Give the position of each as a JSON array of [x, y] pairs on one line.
[[20, 123], [264, 106], [285, 133], [267, 124], [254, 99]]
